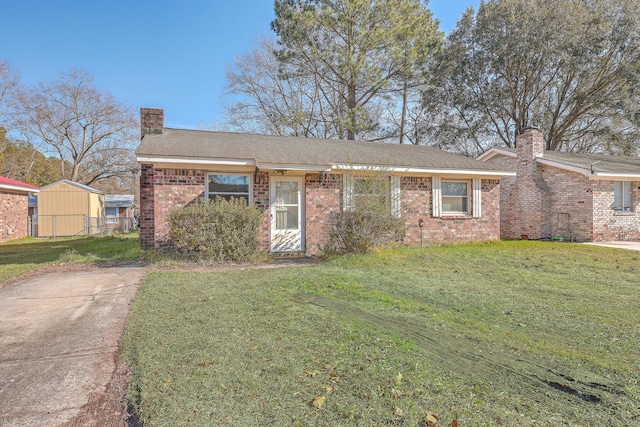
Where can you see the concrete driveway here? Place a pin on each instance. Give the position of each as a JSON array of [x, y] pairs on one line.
[[634, 246], [59, 335]]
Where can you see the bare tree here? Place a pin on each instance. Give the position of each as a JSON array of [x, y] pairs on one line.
[[92, 134], [8, 83], [264, 96]]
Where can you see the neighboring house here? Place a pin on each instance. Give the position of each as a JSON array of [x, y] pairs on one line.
[[119, 212], [300, 183], [67, 208], [582, 197], [14, 207]]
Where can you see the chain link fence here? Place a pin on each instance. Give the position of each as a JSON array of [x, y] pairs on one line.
[[78, 225]]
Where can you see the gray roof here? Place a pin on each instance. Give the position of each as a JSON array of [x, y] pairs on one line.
[[278, 150], [75, 184], [598, 163], [118, 200]]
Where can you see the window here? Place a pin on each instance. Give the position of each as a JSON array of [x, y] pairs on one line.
[[622, 196], [228, 186], [455, 197], [111, 215], [372, 194]]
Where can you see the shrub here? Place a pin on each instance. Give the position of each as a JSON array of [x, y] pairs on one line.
[[220, 229], [359, 232]]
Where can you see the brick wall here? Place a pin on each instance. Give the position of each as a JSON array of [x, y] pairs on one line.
[[14, 207], [323, 199], [611, 225], [588, 203], [147, 207], [162, 190], [416, 205], [261, 200], [174, 189]]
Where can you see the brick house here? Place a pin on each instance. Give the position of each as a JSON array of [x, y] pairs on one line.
[[300, 182], [582, 197], [14, 208]]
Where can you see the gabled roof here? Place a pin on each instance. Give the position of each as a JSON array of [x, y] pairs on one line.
[[304, 154], [595, 166], [75, 184], [118, 200], [14, 185]]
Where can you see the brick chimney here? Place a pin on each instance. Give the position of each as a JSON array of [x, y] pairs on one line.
[[151, 121], [530, 146], [530, 195]]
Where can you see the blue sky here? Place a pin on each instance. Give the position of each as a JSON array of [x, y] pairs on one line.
[[160, 54]]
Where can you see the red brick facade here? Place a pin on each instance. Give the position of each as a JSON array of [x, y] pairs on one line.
[[536, 201], [416, 201], [162, 190], [14, 208]]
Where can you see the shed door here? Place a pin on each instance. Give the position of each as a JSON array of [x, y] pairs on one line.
[[287, 214]]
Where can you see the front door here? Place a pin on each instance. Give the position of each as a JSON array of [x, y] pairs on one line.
[[287, 214]]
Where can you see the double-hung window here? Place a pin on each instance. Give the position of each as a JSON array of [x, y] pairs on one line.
[[455, 197], [371, 195], [622, 196], [379, 194], [228, 186]]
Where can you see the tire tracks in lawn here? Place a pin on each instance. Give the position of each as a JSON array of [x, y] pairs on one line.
[[553, 387]]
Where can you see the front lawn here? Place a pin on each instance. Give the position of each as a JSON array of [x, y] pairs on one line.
[[510, 333], [21, 256]]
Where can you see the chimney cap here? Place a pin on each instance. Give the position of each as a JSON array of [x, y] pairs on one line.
[[529, 128]]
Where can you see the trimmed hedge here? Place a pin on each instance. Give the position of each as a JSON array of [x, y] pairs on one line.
[[220, 229]]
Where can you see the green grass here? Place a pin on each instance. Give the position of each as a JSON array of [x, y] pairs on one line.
[[21, 256], [510, 333]]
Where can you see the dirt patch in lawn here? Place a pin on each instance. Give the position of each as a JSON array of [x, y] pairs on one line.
[[508, 370]]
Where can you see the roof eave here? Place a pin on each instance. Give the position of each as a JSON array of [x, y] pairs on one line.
[[494, 152], [614, 176], [406, 170], [19, 188]]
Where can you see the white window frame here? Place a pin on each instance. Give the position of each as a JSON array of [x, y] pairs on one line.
[[392, 195], [210, 195], [623, 196], [443, 196]]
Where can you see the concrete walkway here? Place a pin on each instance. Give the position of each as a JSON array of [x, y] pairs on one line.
[[59, 335], [634, 246]]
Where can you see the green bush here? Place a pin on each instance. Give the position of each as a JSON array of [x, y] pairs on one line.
[[220, 229], [359, 232]]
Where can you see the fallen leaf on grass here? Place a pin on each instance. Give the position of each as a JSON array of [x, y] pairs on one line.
[[328, 389], [398, 411], [318, 402], [310, 374], [431, 419], [454, 423], [399, 379]]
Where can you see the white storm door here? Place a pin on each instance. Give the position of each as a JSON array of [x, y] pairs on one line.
[[287, 213]]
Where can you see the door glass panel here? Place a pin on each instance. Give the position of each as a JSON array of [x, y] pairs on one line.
[[287, 192], [286, 205], [287, 218]]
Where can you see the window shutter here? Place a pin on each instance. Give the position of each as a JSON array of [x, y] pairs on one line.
[[396, 208], [348, 204], [436, 196], [477, 197]]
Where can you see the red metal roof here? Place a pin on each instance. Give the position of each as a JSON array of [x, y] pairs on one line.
[[8, 182]]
